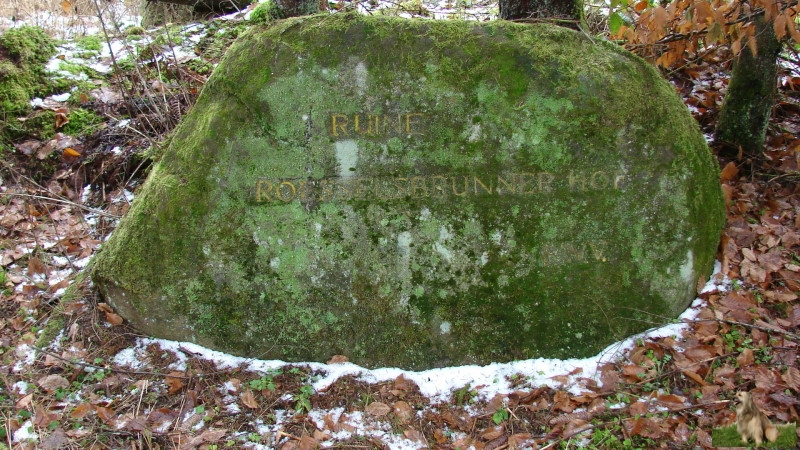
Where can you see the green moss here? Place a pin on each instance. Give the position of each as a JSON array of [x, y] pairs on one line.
[[134, 31], [92, 43], [619, 218], [265, 12], [56, 324], [22, 74], [82, 121]]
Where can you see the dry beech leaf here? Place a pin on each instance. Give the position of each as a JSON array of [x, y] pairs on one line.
[[697, 378], [492, 433], [403, 412], [792, 378], [81, 411], [52, 382], [729, 172], [307, 443], [35, 267], [174, 382], [114, 319], [58, 439], [338, 359], [378, 409], [104, 413], [249, 399], [66, 6], [61, 120]]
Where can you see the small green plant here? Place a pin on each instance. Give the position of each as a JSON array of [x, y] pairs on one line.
[[464, 395], [264, 383], [254, 437], [303, 399], [500, 416]]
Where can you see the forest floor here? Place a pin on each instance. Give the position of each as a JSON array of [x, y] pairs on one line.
[[100, 385]]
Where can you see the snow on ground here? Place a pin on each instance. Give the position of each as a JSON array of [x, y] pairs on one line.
[[438, 385]]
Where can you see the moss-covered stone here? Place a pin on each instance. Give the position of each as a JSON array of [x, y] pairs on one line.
[[418, 194], [24, 51]]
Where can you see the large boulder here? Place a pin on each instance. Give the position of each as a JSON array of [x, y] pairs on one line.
[[418, 194]]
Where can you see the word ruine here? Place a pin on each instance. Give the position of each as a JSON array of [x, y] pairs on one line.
[[376, 125]]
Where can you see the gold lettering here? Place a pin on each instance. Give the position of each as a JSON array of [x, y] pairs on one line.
[[598, 252], [523, 181], [466, 187], [393, 127], [356, 127], [477, 181], [279, 191], [418, 184], [336, 126], [545, 181], [373, 125], [573, 181], [262, 192], [601, 176], [326, 190], [343, 191], [508, 186], [438, 185], [361, 188], [402, 186], [302, 190], [409, 122]]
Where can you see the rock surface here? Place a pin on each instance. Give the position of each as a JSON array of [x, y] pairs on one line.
[[418, 194]]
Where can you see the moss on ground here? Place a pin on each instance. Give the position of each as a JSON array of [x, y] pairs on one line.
[[24, 52], [619, 218]]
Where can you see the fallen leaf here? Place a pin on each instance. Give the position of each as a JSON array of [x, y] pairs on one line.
[[205, 437], [104, 413], [492, 433], [70, 152], [792, 378], [413, 435], [338, 359], [249, 399], [174, 382], [57, 439], [81, 411], [378, 409], [694, 376], [729, 172], [36, 267], [403, 412], [61, 120], [51, 383], [745, 358], [402, 383], [574, 427]]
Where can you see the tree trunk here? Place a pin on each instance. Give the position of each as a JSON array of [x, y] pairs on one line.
[[568, 13], [294, 8], [751, 93], [206, 6]]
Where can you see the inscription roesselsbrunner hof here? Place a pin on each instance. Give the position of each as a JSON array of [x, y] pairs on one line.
[[536, 195]]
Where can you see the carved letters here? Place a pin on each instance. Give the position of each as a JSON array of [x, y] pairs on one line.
[[429, 186]]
